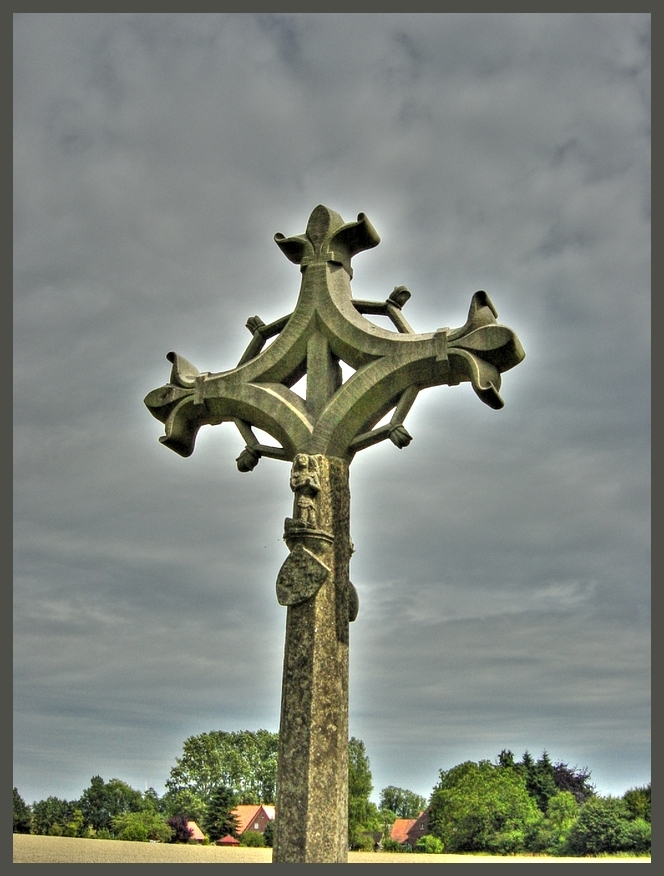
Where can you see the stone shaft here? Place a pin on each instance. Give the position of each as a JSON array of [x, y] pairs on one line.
[[312, 781]]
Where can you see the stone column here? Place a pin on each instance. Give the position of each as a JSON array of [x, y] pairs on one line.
[[312, 780]]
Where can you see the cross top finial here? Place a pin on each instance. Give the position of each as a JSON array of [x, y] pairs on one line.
[[329, 239], [327, 327], [322, 223]]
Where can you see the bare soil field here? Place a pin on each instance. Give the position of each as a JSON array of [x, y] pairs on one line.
[[63, 850]]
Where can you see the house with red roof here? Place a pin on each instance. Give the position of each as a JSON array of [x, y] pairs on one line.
[[407, 831], [253, 818], [250, 818], [197, 835]]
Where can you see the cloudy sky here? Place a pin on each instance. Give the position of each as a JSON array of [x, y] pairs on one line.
[[502, 559]]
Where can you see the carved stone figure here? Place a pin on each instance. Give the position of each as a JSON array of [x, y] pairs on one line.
[[305, 483]]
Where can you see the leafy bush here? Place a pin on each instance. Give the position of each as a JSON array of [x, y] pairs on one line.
[[362, 841], [605, 824], [392, 845], [76, 826], [134, 832], [252, 838], [553, 832], [142, 826], [479, 807], [180, 831], [638, 802], [430, 845], [638, 836]]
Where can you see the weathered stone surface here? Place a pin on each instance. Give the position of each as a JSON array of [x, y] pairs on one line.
[[312, 781], [301, 576]]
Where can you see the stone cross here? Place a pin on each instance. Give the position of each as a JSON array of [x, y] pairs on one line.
[[319, 435]]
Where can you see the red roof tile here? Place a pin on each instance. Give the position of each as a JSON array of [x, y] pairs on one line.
[[409, 830], [400, 829], [197, 833], [247, 815]]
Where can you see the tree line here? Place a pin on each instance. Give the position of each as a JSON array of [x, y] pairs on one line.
[[537, 806], [501, 807]]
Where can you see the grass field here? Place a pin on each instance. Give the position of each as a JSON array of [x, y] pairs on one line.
[[62, 850]]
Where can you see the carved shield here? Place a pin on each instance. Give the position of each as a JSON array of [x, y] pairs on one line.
[[301, 576]]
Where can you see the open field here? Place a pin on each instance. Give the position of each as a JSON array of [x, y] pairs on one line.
[[62, 850]]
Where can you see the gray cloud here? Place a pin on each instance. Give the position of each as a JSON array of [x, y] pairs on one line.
[[503, 558]]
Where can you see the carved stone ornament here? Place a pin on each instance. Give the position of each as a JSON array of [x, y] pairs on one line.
[[353, 602], [305, 483], [300, 577]]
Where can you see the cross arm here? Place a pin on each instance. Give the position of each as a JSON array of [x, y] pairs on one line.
[[192, 399], [478, 352]]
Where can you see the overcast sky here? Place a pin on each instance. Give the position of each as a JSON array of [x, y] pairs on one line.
[[502, 559]]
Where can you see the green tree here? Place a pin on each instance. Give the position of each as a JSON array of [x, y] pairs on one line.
[[76, 825], [538, 775], [22, 814], [142, 827], [573, 779], [131, 831], [400, 801], [429, 844], [244, 761], [102, 801], [51, 816], [638, 802], [185, 802], [152, 801], [527, 761], [362, 813], [481, 807], [387, 819], [555, 829], [268, 833], [506, 758], [180, 830], [220, 819], [605, 824], [541, 782], [545, 779]]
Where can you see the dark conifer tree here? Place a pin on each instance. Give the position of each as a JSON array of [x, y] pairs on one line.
[[22, 814], [220, 820]]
